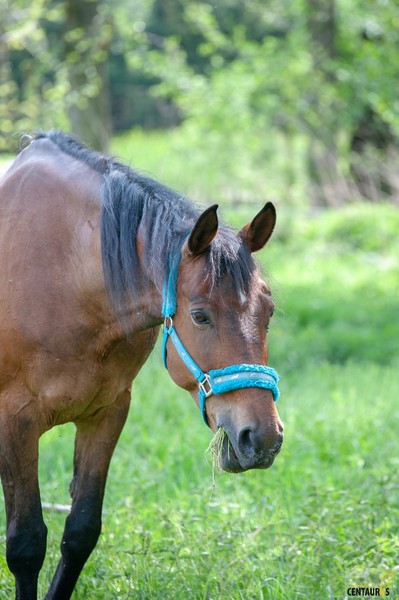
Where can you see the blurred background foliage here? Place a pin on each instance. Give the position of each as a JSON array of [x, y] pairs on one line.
[[292, 87]]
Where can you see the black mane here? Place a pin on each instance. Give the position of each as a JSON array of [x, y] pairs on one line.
[[131, 201]]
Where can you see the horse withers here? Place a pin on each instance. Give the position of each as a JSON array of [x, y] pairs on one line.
[[93, 258]]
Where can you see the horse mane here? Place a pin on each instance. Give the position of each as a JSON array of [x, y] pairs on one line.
[[131, 201]]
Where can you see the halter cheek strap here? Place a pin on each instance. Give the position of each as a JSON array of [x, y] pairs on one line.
[[217, 381]]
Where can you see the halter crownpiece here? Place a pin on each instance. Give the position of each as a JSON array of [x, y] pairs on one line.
[[217, 381]]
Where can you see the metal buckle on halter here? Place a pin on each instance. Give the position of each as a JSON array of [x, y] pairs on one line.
[[206, 381], [165, 323]]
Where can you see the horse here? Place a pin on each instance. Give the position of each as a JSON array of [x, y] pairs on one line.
[[94, 257]]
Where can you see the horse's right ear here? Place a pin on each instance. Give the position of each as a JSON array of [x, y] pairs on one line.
[[256, 234], [203, 231]]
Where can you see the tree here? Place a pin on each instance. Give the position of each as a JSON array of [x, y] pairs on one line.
[[316, 73], [87, 39], [309, 72], [24, 63], [58, 66]]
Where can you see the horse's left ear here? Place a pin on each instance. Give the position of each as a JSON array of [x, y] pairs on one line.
[[256, 234], [203, 231]]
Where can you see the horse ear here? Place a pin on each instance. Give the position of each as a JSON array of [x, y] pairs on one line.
[[256, 234], [203, 231]]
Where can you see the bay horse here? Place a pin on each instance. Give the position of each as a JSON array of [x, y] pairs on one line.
[[93, 258]]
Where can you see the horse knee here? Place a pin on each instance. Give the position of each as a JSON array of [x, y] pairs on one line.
[[80, 538], [26, 547]]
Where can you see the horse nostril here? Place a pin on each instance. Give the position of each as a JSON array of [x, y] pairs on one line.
[[251, 443], [246, 441]]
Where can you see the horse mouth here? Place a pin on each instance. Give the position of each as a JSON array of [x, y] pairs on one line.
[[228, 460], [232, 461]]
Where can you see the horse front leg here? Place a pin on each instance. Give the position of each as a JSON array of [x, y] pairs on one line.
[[26, 532], [94, 445]]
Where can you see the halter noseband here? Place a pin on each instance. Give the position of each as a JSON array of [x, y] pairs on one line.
[[217, 381]]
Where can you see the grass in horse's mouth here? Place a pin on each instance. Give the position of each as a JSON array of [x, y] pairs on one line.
[[215, 450]]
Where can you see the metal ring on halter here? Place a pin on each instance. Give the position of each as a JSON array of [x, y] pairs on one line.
[[165, 324], [206, 381]]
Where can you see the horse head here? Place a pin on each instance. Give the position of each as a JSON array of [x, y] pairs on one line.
[[221, 310]]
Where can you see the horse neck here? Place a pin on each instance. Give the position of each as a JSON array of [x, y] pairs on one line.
[[146, 311]]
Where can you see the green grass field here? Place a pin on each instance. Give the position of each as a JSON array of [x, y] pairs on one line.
[[325, 517]]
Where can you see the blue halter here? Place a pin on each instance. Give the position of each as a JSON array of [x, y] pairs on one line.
[[217, 381]]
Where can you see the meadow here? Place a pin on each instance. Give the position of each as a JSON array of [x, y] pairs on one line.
[[325, 517]]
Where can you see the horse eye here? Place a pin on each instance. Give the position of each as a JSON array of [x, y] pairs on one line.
[[199, 317]]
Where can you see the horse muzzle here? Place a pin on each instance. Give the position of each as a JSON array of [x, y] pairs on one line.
[[249, 448]]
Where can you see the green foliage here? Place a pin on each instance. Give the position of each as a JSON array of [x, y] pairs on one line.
[[336, 303], [59, 62], [288, 79], [29, 70], [216, 176], [370, 229], [294, 80]]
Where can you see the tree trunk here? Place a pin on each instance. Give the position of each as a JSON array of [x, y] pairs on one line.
[[87, 42], [328, 185], [372, 145]]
